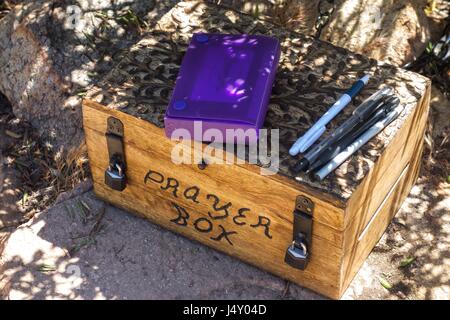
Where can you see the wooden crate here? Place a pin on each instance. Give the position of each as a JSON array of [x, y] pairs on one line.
[[232, 207]]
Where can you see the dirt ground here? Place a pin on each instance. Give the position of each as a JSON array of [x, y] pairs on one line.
[[69, 251], [82, 248], [58, 241]]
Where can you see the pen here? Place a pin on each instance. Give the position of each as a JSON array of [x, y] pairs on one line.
[[357, 144], [360, 114], [304, 142], [337, 147]]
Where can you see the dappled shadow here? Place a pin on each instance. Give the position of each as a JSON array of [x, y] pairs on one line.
[[52, 51], [413, 254], [306, 17], [10, 214], [375, 29], [46, 66], [310, 77], [49, 274], [84, 249], [32, 175]]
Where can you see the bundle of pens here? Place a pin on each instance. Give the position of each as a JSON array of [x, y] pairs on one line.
[[366, 121]]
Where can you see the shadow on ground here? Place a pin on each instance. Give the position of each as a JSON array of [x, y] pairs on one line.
[[84, 249]]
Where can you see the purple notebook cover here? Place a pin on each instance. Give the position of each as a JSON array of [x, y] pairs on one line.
[[225, 82]]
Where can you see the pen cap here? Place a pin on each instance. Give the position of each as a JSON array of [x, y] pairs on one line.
[[358, 86], [392, 100], [373, 100]]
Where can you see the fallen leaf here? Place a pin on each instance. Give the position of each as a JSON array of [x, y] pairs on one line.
[[85, 205], [385, 283], [46, 268], [24, 198], [407, 261], [13, 134]]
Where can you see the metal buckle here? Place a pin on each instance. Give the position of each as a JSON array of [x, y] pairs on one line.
[[115, 176], [297, 254]]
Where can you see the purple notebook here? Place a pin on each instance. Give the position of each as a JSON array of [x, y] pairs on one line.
[[224, 83]]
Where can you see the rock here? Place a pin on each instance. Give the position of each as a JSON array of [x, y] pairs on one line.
[[395, 31], [300, 16], [296, 15], [438, 12], [50, 51]]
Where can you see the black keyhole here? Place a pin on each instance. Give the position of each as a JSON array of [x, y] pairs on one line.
[[202, 165]]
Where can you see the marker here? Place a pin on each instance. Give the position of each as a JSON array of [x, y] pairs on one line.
[[359, 115], [314, 137], [338, 147], [304, 142], [358, 143]]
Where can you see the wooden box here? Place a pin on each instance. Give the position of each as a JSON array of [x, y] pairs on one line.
[[232, 207]]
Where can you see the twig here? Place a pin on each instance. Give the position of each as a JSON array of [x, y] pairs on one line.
[[97, 225], [286, 289]]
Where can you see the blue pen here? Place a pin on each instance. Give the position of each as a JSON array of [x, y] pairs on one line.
[[314, 133]]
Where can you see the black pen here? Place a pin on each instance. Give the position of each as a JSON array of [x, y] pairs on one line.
[[360, 114], [358, 143], [339, 146]]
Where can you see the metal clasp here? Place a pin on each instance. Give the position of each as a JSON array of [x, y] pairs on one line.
[[115, 176], [297, 254]]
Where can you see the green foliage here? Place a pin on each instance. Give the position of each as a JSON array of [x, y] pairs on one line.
[[129, 18]]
